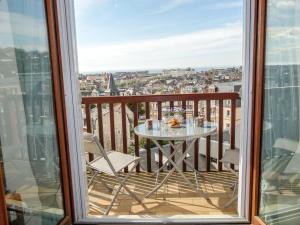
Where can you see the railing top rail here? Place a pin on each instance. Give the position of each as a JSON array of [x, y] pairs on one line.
[[161, 98]]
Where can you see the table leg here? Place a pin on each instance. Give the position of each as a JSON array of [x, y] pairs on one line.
[[165, 163], [161, 183], [195, 173], [181, 160], [156, 173], [175, 167]]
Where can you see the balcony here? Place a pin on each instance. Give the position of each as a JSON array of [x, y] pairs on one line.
[[112, 119]]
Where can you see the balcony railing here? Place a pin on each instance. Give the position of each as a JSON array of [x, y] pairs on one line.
[[189, 102]]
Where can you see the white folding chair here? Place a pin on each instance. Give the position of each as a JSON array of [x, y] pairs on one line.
[[232, 156], [111, 163]]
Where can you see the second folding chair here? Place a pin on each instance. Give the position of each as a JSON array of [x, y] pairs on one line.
[[111, 163]]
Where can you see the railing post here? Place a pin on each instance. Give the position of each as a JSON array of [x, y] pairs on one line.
[[160, 157], [148, 140], [208, 137], [184, 144], [220, 143], [124, 131], [171, 148], [100, 124], [232, 127], [196, 148], [112, 126], [136, 138], [88, 125]]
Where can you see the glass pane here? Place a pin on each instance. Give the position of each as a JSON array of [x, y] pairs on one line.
[[280, 167], [28, 149]]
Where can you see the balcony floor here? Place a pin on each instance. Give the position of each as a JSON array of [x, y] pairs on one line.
[[173, 199]]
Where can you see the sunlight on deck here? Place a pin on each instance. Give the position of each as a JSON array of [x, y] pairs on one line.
[[174, 198]]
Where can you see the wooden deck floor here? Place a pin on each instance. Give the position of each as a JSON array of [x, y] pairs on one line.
[[174, 198]]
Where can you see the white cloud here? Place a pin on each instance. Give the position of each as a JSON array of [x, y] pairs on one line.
[[21, 25], [220, 46], [226, 5], [283, 45], [170, 5], [26, 27], [283, 4], [82, 6], [284, 33]]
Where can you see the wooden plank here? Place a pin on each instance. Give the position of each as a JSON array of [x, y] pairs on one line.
[[208, 137], [124, 130], [136, 138], [220, 134], [88, 126], [258, 221], [88, 118], [161, 98], [232, 127], [100, 124], [184, 144], [112, 126], [160, 156], [196, 148], [3, 211], [258, 90], [60, 110], [147, 104], [232, 124]]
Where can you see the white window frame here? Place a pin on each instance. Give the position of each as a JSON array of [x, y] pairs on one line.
[[67, 30]]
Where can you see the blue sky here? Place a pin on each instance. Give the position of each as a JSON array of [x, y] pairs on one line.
[[153, 34], [23, 25]]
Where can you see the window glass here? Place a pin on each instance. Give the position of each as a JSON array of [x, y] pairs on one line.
[[28, 139], [280, 156]]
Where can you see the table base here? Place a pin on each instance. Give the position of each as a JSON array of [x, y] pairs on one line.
[[176, 167]]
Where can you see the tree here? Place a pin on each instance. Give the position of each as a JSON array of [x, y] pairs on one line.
[[141, 108]]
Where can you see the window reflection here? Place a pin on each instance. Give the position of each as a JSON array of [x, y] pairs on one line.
[[28, 140], [280, 167]]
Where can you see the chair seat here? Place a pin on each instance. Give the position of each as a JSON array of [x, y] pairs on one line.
[[231, 156], [118, 160]]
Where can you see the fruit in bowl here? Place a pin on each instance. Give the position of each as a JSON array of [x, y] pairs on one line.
[[174, 123]]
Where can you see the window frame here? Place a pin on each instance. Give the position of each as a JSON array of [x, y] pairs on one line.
[[66, 16]]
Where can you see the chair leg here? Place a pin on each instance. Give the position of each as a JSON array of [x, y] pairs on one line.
[[196, 179], [234, 196], [234, 189], [123, 181], [92, 178], [113, 200], [230, 201]]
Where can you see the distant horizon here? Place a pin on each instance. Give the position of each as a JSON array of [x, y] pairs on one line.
[[155, 70]]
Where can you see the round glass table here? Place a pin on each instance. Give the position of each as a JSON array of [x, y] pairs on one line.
[[188, 133]]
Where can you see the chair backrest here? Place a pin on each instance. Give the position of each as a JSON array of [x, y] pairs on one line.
[[100, 147], [104, 154], [89, 144], [231, 156]]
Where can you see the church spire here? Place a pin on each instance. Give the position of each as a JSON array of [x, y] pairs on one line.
[[111, 89]]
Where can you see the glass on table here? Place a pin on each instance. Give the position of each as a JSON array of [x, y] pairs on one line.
[[165, 115], [191, 121]]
